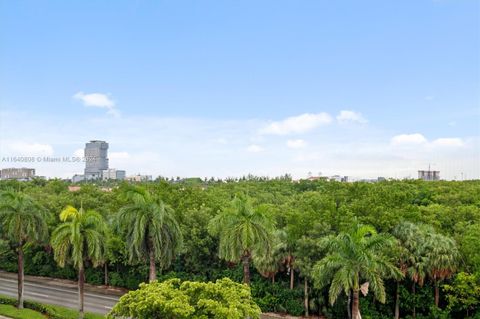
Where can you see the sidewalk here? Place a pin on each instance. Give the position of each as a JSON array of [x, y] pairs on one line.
[[106, 290]]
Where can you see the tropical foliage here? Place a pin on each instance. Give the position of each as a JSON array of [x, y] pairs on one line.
[[429, 232]]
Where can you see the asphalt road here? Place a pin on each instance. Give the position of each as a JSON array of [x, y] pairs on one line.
[[55, 294]]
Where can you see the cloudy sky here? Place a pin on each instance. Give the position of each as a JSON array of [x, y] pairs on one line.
[[227, 88]]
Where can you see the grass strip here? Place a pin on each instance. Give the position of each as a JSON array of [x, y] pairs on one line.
[[12, 312], [45, 310]]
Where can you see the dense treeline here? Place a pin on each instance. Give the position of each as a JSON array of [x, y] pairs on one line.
[[313, 247]]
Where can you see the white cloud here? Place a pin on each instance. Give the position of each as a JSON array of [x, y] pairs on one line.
[[448, 142], [254, 148], [346, 116], [296, 143], [99, 100], [429, 98], [408, 139], [297, 124], [418, 139], [30, 149]]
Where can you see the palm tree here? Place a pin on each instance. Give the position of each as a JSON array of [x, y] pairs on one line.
[[410, 259], [413, 259], [244, 233], [442, 257], [269, 264], [22, 222], [356, 256], [285, 248], [79, 238], [150, 229]]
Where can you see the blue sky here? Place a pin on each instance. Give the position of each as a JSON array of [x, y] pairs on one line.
[[225, 88]]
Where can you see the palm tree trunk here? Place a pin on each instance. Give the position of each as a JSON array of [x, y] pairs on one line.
[[153, 271], [356, 305], [20, 277], [349, 304], [81, 286], [397, 301], [105, 274], [437, 292], [414, 315], [292, 277], [246, 269], [305, 293]]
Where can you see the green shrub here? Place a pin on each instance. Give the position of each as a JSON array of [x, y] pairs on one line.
[[115, 279], [223, 299], [4, 300], [94, 276], [476, 316], [12, 312], [277, 297]]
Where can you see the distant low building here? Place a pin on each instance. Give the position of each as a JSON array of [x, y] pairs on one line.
[[113, 174], [19, 174], [338, 178], [77, 178], [334, 178], [316, 178], [139, 178], [429, 175], [74, 188]]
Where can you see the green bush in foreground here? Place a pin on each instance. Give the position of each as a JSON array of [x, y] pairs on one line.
[[223, 299]]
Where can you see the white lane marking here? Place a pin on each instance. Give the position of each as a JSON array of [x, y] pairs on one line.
[[106, 307], [63, 290]]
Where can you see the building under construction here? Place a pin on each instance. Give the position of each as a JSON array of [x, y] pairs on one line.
[[429, 175]]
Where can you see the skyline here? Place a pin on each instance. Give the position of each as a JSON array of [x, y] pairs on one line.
[[227, 89]]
